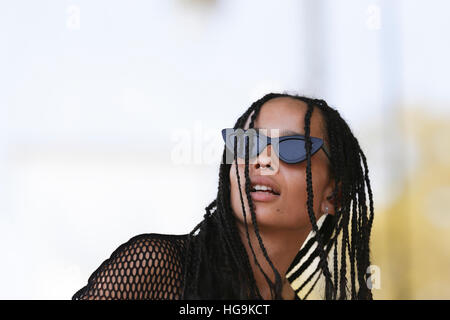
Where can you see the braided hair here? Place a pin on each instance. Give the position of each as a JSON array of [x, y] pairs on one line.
[[217, 265]]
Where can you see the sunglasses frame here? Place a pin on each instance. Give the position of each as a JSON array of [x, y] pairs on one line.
[[317, 143]]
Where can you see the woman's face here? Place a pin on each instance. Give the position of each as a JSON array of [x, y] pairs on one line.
[[289, 209]]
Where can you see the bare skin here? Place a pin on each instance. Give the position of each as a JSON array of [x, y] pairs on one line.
[[283, 223]]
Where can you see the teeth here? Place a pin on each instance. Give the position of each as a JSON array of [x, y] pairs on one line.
[[261, 187]]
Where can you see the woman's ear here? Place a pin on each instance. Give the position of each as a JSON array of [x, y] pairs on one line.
[[332, 197]]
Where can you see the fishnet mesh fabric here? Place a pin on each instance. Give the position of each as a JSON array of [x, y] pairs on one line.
[[148, 266]]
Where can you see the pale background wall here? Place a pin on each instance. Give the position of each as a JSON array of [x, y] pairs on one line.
[[94, 93]]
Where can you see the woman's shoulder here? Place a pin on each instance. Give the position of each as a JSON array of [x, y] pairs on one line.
[[162, 236], [150, 239], [136, 266], [142, 245]]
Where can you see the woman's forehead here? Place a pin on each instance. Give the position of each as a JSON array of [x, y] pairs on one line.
[[287, 115]]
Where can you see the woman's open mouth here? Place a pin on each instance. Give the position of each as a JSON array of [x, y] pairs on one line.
[[263, 193]]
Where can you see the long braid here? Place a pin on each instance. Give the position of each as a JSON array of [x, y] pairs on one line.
[[245, 216], [369, 190], [312, 217], [334, 169], [229, 225], [335, 145], [255, 107], [278, 284]]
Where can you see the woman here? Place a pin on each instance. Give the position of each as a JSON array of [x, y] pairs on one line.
[[290, 211]]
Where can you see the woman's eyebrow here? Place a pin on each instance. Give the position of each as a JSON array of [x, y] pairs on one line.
[[289, 132], [283, 132]]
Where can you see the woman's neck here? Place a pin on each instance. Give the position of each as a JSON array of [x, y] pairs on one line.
[[281, 246]]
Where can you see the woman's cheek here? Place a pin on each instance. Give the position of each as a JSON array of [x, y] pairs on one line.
[[235, 199], [294, 198]]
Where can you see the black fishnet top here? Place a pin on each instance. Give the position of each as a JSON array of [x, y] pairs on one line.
[[148, 266]]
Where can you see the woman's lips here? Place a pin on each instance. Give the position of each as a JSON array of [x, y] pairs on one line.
[[263, 196]]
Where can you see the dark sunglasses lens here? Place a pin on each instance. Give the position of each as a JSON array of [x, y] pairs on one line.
[[292, 150]]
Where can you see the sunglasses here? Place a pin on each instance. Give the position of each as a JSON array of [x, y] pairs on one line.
[[290, 149]]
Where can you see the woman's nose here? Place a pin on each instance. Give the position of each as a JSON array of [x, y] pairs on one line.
[[267, 161]]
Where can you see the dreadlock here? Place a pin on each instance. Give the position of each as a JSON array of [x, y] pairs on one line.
[[217, 265]]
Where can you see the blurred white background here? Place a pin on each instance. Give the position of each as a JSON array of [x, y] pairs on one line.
[[95, 94]]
